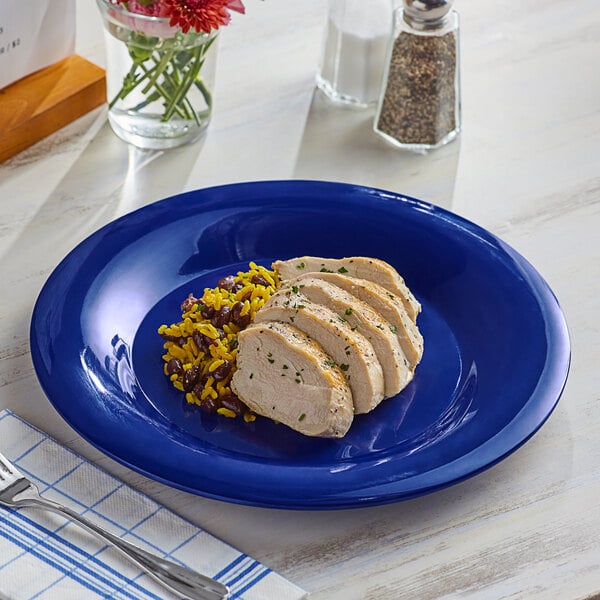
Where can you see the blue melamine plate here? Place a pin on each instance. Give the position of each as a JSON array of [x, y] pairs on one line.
[[496, 345]]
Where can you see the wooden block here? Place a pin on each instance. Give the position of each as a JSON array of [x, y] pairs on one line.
[[45, 101]]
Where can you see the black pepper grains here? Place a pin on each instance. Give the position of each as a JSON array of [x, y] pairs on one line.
[[420, 103]]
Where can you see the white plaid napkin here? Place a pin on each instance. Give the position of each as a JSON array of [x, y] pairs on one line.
[[44, 556]]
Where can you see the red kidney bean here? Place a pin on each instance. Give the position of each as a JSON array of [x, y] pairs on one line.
[[236, 309], [190, 378], [188, 303], [226, 283], [259, 280], [201, 383], [221, 316], [201, 340], [207, 312], [180, 341], [222, 371], [203, 379], [243, 320], [210, 406], [174, 367], [240, 320], [233, 403]]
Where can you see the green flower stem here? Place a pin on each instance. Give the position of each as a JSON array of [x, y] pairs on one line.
[[167, 74], [186, 83], [162, 65], [190, 109], [127, 87], [164, 93], [186, 112], [204, 91], [153, 97]]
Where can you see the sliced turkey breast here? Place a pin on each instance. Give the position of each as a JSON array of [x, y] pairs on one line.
[[362, 318], [384, 303], [347, 348], [286, 376], [371, 269]]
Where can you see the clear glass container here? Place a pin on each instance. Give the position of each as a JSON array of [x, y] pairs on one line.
[[354, 50], [159, 80], [419, 108]]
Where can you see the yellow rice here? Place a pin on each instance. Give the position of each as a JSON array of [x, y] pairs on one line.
[[222, 348]]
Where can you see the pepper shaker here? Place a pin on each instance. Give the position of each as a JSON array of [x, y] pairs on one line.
[[419, 107], [354, 50]]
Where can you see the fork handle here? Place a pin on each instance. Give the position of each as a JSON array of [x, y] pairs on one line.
[[180, 580]]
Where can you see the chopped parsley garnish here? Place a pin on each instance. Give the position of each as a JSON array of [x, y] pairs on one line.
[[271, 360], [342, 270], [285, 367], [349, 311], [393, 329], [297, 380], [324, 270], [300, 266], [344, 367], [341, 319], [295, 289], [330, 363], [301, 417]]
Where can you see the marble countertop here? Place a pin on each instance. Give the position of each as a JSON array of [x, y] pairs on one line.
[[526, 167]]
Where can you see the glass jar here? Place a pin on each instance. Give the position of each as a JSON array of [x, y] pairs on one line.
[[419, 108], [354, 50], [159, 80]]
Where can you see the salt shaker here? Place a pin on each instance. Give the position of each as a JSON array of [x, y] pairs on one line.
[[419, 107], [354, 50]]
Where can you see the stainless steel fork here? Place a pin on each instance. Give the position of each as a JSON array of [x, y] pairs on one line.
[[17, 491]]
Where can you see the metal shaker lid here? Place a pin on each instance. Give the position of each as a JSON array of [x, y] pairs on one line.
[[426, 14]]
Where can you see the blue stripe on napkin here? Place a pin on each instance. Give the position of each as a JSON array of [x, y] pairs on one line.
[[63, 556], [44, 556]]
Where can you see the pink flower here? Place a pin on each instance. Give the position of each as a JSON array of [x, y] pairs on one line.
[[149, 9], [237, 6], [200, 15]]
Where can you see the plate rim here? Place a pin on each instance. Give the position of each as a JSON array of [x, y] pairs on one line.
[[367, 496]]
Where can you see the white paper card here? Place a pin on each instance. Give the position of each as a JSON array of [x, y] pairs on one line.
[[34, 34]]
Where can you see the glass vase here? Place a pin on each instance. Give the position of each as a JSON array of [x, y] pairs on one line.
[[159, 80]]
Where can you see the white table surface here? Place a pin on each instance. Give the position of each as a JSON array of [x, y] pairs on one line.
[[527, 167]]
